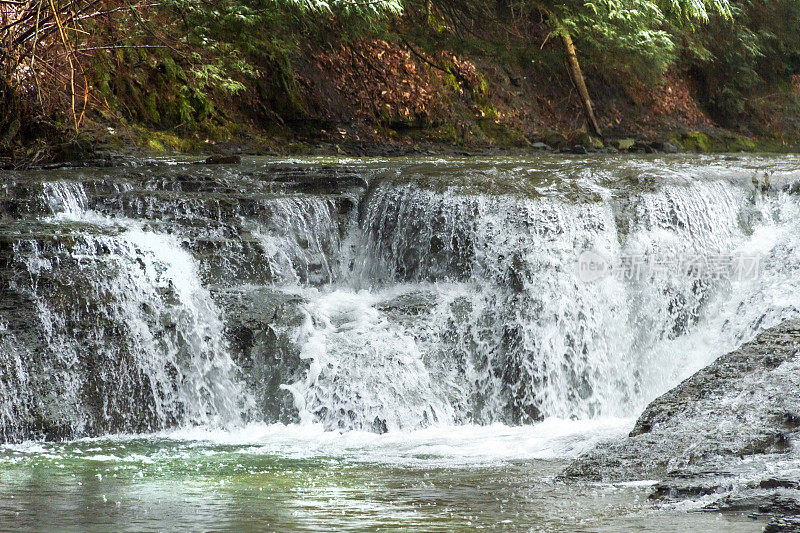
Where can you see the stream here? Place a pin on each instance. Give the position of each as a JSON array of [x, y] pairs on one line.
[[364, 344]]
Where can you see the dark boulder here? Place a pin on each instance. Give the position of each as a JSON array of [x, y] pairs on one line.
[[665, 147], [221, 159], [579, 149]]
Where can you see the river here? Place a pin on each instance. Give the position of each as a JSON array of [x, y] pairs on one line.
[[333, 343]]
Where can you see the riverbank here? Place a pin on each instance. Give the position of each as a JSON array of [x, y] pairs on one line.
[[354, 101], [104, 145], [398, 78]]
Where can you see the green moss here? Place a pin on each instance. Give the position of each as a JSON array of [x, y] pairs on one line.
[[499, 134], [626, 144], [155, 145], [481, 89], [164, 141], [151, 108], [554, 139], [696, 142], [701, 142], [447, 133], [740, 144]]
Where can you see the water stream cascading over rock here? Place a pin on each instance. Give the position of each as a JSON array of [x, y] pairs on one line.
[[377, 296]]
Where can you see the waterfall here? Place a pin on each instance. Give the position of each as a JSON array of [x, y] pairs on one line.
[[300, 239], [447, 295], [506, 330], [365, 372], [129, 339], [66, 197]]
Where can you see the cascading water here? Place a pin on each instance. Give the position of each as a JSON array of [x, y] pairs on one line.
[[67, 198], [300, 240], [365, 371], [440, 294], [128, 338], [479, 294]]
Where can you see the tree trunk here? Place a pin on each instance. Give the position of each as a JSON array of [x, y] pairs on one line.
[[580, 84]]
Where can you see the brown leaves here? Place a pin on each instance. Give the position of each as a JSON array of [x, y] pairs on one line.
[[396, 83], [381, 80], [672, 100]]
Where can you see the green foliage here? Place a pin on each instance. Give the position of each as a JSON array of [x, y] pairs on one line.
[[172, 63], [234, 42], [235, 32], [755, 53], [626, 36], [632, 36], [688, 11], [636, 37]]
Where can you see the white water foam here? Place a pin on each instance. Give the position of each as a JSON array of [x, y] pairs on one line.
[[440, 446]]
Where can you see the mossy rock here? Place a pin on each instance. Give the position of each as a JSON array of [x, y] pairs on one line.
[[740, 144], [79, 149], [624, 144], [499, 134], [696, 142], [701, 142], [155, 145], [585, 139], [555, 139]]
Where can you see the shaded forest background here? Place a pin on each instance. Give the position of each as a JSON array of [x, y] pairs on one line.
[[382, 76]]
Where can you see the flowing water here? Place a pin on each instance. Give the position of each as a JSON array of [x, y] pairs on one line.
[[365, 344]]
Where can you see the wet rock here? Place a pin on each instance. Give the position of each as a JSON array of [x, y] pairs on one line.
[[679, 488], [777, 483], [579, 149], [789, 524], [791, 419], [758, 504], [74, 152], [555, 139], [540, 146], [665, 147], [221, 159], [245, 226], [737, 372], [320, 180], [590, 142], [734, 407], [728, 432], [594, 142], [77, 380], [670, 148], [258, 324]]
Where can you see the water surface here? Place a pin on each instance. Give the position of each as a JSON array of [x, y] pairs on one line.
[[293, 478]]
